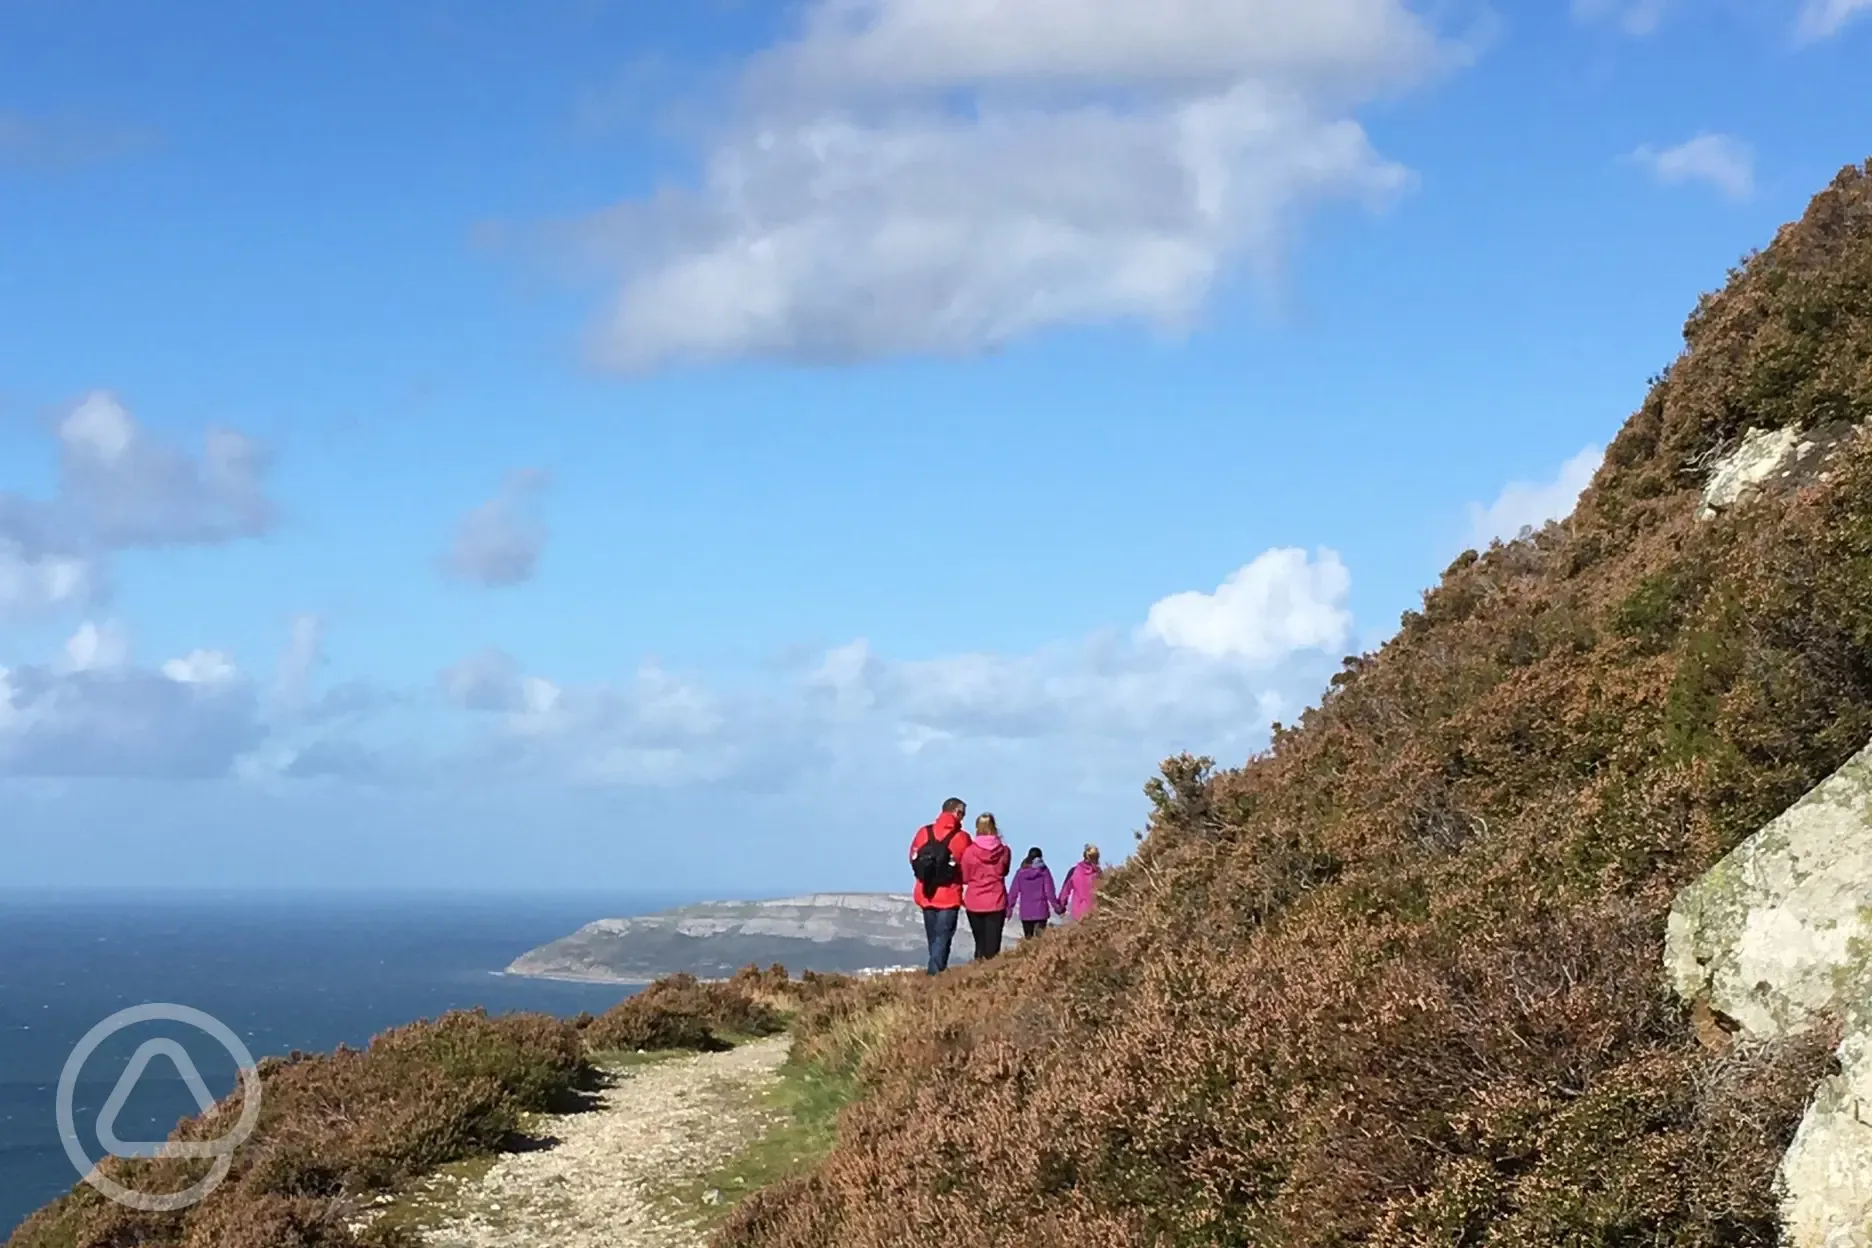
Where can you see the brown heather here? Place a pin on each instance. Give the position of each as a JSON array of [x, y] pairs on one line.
[[1398, 980], [334, 1130], [682, 1012], [337, 1130]]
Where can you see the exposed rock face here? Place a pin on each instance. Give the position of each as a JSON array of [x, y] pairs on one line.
[[1761, 455], [819, 932], [1776, 935], [1771, 461]]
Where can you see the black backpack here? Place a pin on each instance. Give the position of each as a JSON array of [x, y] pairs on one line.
[[933, 866]]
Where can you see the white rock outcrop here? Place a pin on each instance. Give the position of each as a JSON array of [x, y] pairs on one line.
[[1776, 936], [1762, 454]]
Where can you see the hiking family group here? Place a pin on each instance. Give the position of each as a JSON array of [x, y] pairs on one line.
[[957, 873]]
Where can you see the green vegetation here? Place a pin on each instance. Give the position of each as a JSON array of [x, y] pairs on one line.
[[801, 1117], [1398, 980]]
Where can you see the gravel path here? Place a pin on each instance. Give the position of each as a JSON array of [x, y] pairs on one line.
[[605, 1183]]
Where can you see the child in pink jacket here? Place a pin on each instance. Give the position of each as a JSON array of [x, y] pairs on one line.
[[1080, 889]]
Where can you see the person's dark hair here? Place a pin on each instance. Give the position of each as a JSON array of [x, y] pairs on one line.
[[1033, 855], [951, 805]]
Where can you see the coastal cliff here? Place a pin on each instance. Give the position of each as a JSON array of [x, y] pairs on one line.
[[821, 932]]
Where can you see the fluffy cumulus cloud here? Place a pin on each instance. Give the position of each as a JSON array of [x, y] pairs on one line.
[[1715, 160], [499, 542], [652, 730], [95, 646], [493, 681], [943, 176], [1526, 505], [93, 711], [1280, 603], [34, 581], [96, 714], [121, 488], [1205, 671]]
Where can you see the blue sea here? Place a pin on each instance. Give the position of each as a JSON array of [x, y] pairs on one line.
[[283, 972]]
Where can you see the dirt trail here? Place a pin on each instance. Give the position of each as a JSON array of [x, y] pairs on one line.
[[607, 1181]]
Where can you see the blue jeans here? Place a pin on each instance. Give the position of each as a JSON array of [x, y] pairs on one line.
[[940, 927]]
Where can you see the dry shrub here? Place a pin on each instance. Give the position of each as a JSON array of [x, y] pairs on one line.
[[332, 1130], [1398, 979], [841, 1021], [682, 1012]]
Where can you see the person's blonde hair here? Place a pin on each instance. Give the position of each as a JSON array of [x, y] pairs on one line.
[[1091, 853], [985, 825]]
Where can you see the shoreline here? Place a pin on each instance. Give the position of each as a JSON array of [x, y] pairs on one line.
[[560, 977], [637, 982]]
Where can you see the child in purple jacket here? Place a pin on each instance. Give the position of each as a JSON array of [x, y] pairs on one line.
[[1031, 894]]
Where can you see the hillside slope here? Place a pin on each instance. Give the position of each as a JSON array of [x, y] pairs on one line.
[[1399, 980]]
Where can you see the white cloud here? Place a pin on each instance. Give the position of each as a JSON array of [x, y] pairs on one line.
[[129, 490], [303, 655], [1203, 671], [1206, 671], [653, 730], [1822, 19], [1816, 19], [32, 583], [1113, 161], [118, 489], [96, 715], [499, 542], [488, 681], [1717, 160], [95, 647], [1525, 505], [1264, 611], [202, 667], [896, 46]]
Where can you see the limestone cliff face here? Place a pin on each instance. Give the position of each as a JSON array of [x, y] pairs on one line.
[[1776, 936], [818, 932]]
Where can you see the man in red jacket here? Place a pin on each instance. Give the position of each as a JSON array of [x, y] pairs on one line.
[[942, 903]]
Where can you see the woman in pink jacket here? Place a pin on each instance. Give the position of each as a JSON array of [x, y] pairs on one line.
[[1080, 889], [985, 866]]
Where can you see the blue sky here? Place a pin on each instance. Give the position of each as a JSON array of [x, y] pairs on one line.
[[455, 445]]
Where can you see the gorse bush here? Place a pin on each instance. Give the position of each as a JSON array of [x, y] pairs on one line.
[[333, 1130], [1398, 979]]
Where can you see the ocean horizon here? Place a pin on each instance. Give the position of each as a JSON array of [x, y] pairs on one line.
[[283, 970]]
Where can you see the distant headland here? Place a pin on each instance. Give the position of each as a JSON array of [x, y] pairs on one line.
[[823, 932]]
